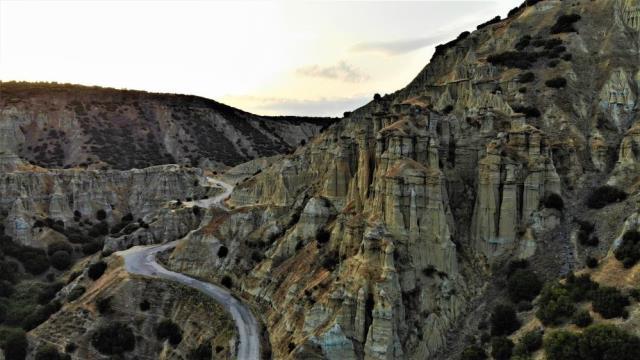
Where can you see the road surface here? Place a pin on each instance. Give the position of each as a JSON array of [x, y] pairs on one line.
[[142, 260]]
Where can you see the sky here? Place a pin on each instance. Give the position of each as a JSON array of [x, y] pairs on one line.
[[314, 58]]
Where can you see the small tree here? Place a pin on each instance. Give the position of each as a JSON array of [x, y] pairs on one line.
[[167, 329], [222, 251], [562, 345], [61, 260], [609, 302], [582, 318], [501, 348], [473, 352], [523, 285], [504, 320], [96, 270], [113, 339]]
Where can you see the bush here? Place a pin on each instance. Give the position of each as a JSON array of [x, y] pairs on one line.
[[523, 285], [564, 24], [582, 318], [167, 329], [59, 246], [145, 305], [552, 201], [581, 287], [473, 352], [591, 262], [556, 83], [14, 343], [113, 339], [501, 348], [609, 302], [629, 249], [330, 261], [495, 20], [227, 282], [605, 195], [377, 97], [49, 352], [61, 260], [529, 343], [104, 305], [562, 345], [555, 304], [41, 315], [6, 289], [523, 42], [323, 236], [524, 306], [504, 320], [92, 247], [96, 270], [202, 352], [223, 251], [597, 342], [528, 111], [75, 293], [526, 77], [101, 215]]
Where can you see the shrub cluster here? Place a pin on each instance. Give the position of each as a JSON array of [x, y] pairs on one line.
[[504, 320], [113, 339], [629, 249], [442, 48], [585, 233], [556, 83], [473, 352], [609, 302], [596, 342], [552, 201], [528, 344], [96, 270], [167, 329], [14, 343], [526, 77], [501, 348], [528, 111], [605, 195], [495, 20], [564, 24], [523, 285]]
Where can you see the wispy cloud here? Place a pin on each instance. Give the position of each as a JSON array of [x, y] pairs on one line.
[[397, 47], [341, 71], [322, 106]]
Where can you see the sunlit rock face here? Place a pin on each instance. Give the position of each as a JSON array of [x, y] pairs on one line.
[[370, 241]]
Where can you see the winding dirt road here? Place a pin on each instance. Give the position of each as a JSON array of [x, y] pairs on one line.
[[142, 260]]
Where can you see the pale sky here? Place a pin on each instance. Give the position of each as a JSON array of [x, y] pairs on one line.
[[272, 58]]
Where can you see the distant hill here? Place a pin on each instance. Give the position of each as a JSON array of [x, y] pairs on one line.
[[62, 125]]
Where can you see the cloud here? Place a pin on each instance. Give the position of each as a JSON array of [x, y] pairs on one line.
[[397, 47], [341, 71], [321, 106]]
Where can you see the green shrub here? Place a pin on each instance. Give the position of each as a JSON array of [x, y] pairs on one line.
[[101, 215], [59, 246], [113, 339], [562, 345], [227, 282], [629, 249], [473, 352], [104, 305], [552, 201], [609, 302], [523, 42], [608, 342], [75, 293], [605, 195], [14, 343], [581, 287], [6, 289], [96, 270], [223, 251], [564, 24], [202, 352], [528, 111], [504, 320], [92, 247], [145, 305], [330, 261], [591, 262], [41, 315], [167, 329], [494, 20], [529, 343], [556, 83], [582, 318], [323, 236], [555, 304], [49, 352], [523, 285], [501, 348], [61, 260]]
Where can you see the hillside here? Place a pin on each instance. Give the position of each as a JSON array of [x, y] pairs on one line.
[[64, 126]]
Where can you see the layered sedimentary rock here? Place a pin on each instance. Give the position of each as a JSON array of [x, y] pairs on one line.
[[414, 196]]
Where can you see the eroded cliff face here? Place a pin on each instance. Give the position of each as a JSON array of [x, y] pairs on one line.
[[371, 241], [56, 125], [75, 196]]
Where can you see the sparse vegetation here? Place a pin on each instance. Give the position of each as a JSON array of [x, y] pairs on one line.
[[113, 339], [629, 249], [605, 195], [169, 330], [96, 270], [564, 24], [504, 320], [556, 83]]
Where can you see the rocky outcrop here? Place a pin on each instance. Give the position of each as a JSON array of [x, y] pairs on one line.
[[75, 196]]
